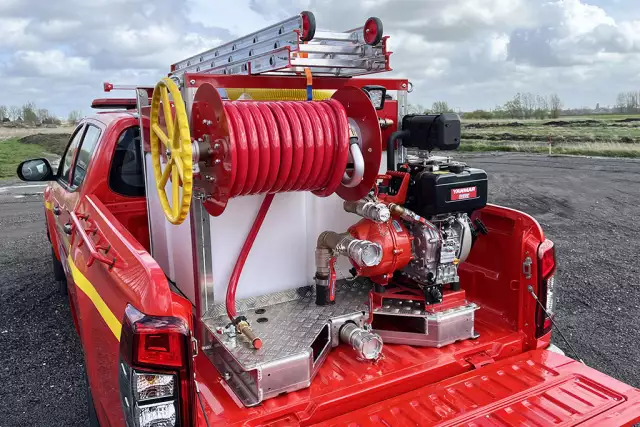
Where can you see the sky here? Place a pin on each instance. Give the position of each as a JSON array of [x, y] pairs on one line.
[[472, 53]]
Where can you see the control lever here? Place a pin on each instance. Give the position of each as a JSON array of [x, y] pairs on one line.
[[477, 228], [480, 227]]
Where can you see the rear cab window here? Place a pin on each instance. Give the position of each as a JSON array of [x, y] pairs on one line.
[[126, 175]]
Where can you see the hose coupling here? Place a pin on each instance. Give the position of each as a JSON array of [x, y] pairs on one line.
[[243, 327], [369, 209], [367, 344]]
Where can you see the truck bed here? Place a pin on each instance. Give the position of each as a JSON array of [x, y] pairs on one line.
[[457, 385], [345, 384]]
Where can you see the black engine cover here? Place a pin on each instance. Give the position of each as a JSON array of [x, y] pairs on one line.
[[445, 191]]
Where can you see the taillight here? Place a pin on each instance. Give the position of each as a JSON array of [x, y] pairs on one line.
[[154, 370], [163, 349], [546, 282]]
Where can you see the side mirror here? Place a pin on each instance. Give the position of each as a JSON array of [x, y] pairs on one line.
[[35, 170]]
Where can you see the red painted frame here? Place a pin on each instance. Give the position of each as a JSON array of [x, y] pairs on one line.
[[290, 82]]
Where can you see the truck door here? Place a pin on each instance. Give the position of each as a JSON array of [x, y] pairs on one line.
[[65, 192], [60, 194]]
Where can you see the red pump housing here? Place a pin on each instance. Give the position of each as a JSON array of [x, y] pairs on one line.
[[395, 241]]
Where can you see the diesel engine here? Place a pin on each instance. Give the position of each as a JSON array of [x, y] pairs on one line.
[[416, 231]]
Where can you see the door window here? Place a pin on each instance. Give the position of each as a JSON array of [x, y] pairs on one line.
[[126, 176], [89, 142], [67, 160]]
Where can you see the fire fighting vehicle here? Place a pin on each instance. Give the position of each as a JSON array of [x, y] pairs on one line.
[[268, 238]]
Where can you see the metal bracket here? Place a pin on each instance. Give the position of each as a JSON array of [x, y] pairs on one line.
[[194, 347], [526, 267]]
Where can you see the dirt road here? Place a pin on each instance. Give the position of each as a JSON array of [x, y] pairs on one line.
[[587, 206]]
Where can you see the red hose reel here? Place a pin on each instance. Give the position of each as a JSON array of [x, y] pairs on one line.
[[271, 147]]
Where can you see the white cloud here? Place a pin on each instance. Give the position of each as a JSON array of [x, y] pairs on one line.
[[53, 64], [473, 53]]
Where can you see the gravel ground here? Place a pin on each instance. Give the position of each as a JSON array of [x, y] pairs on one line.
[[41, 367], [586, 206]]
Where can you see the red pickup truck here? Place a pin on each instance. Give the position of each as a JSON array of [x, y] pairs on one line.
[[156, 350]]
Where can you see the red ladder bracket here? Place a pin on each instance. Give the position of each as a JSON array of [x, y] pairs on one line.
[[94, 249]]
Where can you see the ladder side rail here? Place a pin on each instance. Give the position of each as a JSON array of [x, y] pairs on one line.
[[354, 36], [328, 72], [274, 31], [274, 60], [336, 49], [265, 48], [363, 64]]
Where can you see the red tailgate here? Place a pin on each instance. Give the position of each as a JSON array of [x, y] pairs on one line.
[[537, 388]]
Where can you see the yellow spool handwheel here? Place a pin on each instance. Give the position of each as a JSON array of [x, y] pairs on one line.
[[176, 144]]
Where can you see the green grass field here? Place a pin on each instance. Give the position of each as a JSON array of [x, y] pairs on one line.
[[595, 135], [15, 150], [12, 152]]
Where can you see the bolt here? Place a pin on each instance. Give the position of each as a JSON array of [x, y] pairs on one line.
[[227, 376], [209, 178], [404, 85], [192, 81], [206, 122], [216, 146], [168, 154], [216, 162]]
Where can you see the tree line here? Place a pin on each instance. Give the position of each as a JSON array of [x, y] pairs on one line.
[[30, 114], [628, 102], [522, 106]]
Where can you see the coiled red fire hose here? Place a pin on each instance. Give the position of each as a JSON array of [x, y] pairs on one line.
[[283, 146], [288, 146]]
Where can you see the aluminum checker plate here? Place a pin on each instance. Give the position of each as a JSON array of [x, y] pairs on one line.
[[293, 323], [294, 320]]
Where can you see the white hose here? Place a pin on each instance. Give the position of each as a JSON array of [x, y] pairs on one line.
[[358, 168]]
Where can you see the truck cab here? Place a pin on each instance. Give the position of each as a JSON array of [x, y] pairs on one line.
[[149, 209]]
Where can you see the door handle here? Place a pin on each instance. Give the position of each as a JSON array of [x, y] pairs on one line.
[[56, 210], [68, 228]]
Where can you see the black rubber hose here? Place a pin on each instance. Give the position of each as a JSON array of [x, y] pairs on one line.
[[391, 148]]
